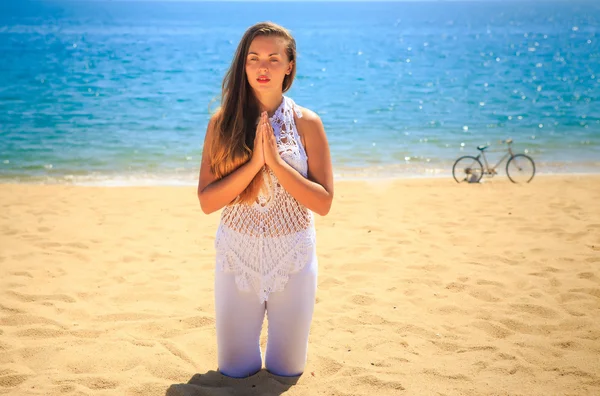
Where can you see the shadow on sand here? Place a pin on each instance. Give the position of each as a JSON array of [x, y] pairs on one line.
[[214, 383]]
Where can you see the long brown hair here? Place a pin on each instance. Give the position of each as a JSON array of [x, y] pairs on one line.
[[235, 127]]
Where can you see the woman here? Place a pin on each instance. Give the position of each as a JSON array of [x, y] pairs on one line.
[[266, 163]]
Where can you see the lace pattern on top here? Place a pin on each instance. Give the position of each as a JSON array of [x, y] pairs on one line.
[[263, 243]]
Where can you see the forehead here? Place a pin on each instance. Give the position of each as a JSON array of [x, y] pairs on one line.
[[268, 45]]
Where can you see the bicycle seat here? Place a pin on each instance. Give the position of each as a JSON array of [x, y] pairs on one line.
[[482, 147]]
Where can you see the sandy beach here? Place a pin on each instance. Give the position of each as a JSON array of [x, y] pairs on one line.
[[426, 287]]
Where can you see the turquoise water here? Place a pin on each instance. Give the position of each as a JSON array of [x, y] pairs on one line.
[[118, 92]]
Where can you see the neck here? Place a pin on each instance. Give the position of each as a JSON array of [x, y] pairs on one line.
[[269, 102]]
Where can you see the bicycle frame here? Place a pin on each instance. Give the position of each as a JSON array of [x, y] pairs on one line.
[[492, 170]]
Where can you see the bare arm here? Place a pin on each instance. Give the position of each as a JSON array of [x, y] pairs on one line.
[[316, 191], [215, 194]]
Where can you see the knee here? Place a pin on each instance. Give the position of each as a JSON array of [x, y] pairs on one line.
[[238, 368], [286, 366], [286, 371]]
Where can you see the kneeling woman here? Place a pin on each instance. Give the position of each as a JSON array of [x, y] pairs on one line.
[[266, 163]]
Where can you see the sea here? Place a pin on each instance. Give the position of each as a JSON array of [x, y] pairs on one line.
[[120, 92]]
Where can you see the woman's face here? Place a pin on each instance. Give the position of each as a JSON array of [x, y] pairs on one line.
[[267, 63]]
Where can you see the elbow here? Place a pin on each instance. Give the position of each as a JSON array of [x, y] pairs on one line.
[[204, 205], [205, 209], [326, 206], [323, 212]]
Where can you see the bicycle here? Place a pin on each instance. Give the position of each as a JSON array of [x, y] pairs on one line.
[[520, 168]]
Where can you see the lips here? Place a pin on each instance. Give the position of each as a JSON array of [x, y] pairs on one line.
[[263, 79]]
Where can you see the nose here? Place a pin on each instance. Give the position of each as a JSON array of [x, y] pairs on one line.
[[263, 65]]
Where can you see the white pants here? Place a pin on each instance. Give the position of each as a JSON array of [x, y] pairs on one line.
[[239, 318]]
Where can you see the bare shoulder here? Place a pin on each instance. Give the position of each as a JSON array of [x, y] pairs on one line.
[[309, 125], [309, 117]]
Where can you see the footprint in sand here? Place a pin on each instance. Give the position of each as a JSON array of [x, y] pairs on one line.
[[566, 345], [49, 245], [591, 291], [198, 321], [589, 276], [456, 287], [555, 282], [456, 377], [35, 298], [6, 309], [22, 273], [24, 320], [536, 310], [484, 295], [94, 383], [328, 367], [493, 330], [41, 332], [505, 356], [329, 282], [12, 380], [360, 299], [447, 346], [484, 282]]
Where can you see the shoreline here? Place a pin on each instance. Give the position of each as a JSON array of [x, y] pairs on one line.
[[384, 178]]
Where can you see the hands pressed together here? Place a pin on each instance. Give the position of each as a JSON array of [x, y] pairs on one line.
[[265, 145]]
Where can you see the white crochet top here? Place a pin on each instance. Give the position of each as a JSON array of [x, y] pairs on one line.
[[264, 242]]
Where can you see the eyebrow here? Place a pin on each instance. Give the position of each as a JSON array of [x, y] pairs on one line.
[[254, 53]]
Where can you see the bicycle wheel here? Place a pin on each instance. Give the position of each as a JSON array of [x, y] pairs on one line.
[[520, 168], [467, 169]]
